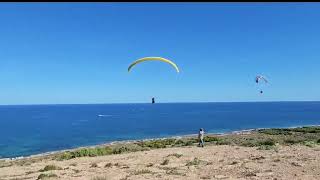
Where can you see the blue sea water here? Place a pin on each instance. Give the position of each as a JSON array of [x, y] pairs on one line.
[[33, 129]]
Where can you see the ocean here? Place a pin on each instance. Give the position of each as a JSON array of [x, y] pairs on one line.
[[32, 129]]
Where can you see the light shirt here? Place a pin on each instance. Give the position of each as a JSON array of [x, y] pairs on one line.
[[201, 133]]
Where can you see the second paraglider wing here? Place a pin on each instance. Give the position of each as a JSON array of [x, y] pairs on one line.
[[258, 81]]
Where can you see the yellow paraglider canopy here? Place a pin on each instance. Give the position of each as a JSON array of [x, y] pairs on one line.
[[153, 59]]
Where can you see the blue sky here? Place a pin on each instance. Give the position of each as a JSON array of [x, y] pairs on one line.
[[52, 53]]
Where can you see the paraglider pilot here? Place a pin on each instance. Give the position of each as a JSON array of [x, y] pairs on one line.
[[200, 137]]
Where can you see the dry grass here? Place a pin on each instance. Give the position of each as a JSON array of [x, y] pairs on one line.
[[165, 162], [175, 155], [50, 168], [142, 171], [93, 165], [99, 178]]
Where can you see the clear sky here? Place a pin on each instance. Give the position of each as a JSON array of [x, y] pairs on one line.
[[79, 52]]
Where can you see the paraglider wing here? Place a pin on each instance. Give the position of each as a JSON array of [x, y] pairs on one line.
[[265, 80], [258, 78], [153, 59]]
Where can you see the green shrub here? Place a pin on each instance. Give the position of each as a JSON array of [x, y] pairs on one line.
[[120, 150], [185, 142], [223, 142], [286, 131], [292, 141], [275, 131], [65, 156], [91, 152], [163, 143], [160, 143], [210, 139], [313, 129], [267, 142], [188, 143], [193, 140], [309, 143], [179, 142], [265, 147], [249, 143]]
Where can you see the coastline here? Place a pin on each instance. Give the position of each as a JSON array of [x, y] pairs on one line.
[[261, 153], [126, 142], [239, 132]]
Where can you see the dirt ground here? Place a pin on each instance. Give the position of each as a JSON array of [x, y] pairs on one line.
[[210, 162]]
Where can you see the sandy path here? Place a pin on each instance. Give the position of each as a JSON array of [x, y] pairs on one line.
[[214, 162]]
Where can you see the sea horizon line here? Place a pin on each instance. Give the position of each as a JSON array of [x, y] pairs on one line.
[[178, 102]]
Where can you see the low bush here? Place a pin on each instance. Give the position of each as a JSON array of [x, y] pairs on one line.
[[50, 167], [45, 176], [108, 165], [266, 147], [175, 155], [313, 129], [155, 144], [223, 142], [194, 162], [175, 172], [275, 131], [143, 171], [267, 142], [309, 143], [210, 139], [165, 162], [292, 141], [94, 165], [91, 152]]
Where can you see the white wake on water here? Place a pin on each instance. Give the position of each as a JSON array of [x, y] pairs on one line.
[[105, 115]]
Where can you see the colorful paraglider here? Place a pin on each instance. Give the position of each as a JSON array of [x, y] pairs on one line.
[[260, 80], [153, 59]]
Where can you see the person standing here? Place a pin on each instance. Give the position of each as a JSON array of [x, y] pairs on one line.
[[200, 137]]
